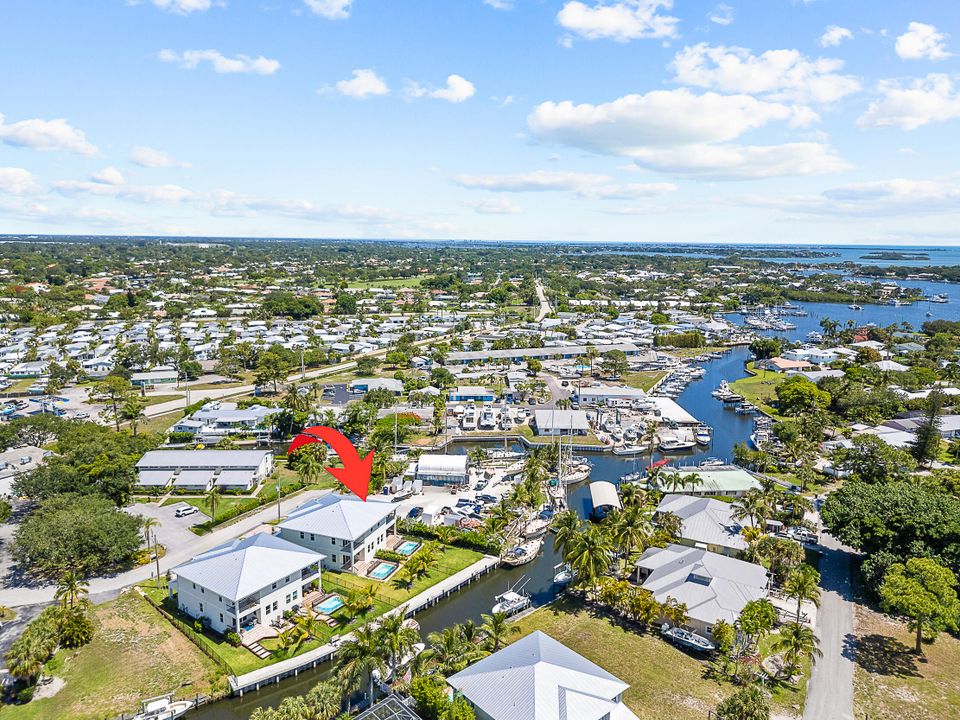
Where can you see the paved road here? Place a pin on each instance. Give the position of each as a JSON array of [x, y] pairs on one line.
[[830, 690], [181, 546], [544, 304]]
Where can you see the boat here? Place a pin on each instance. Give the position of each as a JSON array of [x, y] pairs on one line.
[[745, 408], [687, 639], [940, 298], [703, 435], [536, 528], [562, 574], [522, 554], [578, 472], [163, 707], [676, 445], [629, 450], [712, 462], [814, 337], [513, 600], [854, 306]]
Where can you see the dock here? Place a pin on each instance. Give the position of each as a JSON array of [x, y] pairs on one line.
[[254, 680]]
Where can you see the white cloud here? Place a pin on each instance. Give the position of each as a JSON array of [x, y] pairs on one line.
[[922, 41], [108, 176], [17, 181], [457, 90], [493, 206], [39, 134], [191, 59], [877, 198], [834, 35], [722, 14], [185, 7], [777, 74], [923, 101], [742, 162], [621, 21], [364, 83], [134, 193], [660, 117], [628, 191], [499, 4], [330, 9], [536, 181], [152, 158]]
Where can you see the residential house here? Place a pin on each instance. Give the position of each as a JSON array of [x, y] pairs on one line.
[[728, 480], [705, 523], [237, 470], [560, 422]]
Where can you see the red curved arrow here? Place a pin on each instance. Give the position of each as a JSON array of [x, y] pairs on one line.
[[355, 473]]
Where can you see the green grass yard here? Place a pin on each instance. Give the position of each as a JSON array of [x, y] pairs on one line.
[[760, 389], [643, 380], [135, 654]]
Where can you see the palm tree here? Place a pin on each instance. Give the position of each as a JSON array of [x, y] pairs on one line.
[[753, 505], [803, 583], [495, 629], [795, 641], [566, 525], [324, 700], [24, 660], [71, 589], [589, 554], [642, 606], [360, 601], [632, 494], [631, 528], [675, 612], [451, 650], [693, 480], [360, 657], [309, 624], [310, 461], [398, 637], [673, 481], [211, 496], [148, 523], [477, 455]]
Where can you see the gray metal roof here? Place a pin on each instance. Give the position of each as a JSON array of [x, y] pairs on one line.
[[192, 478], [212, 459], [339, 516], [538, 678], [705, 520], [561, 419], [239, 568], [154, 478], [235, 477], [542, 352], [712, 586]]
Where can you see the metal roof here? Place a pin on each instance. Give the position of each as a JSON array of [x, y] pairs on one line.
[[541, 352], [339, 516], [212, 459], [191, 478], [238, 568], [561, 419], [712, 586], [154, 478], [442, 464], [538, 678], [236, 477], [604, 494], [718, 481], [705, 520]]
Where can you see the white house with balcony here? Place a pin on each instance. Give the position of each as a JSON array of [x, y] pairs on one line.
[[345, 529], [245, 582]]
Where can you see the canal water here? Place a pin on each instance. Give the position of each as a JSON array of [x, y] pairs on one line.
[[537, 577]]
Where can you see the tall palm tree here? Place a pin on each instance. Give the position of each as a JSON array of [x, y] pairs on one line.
[[566, 525], [325, 701], [147, 525], [71, 589], [310, 463], [360, 657], [632, 494], [451, 651], [795, 641], [589, 554], [211, 496], [495, 628], [692, 480], [753, 505], [631, 529], [398, 638], [673, 481], [803, 583], [24, 660]]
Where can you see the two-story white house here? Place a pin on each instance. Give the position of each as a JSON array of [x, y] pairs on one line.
[[345, 529], [245, 582]]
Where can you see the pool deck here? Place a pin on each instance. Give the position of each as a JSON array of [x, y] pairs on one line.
[[251, 681]]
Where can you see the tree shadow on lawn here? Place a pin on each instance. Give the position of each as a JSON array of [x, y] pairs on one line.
[[881, 655]]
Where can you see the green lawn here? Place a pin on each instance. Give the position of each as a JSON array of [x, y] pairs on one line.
[[157, 399], [160, 423], [760, 389], [135, 654], [665, 682], [643, 380]]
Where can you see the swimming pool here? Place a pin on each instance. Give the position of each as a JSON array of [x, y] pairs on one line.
[[408, 547], [383, 570], [330, 605]]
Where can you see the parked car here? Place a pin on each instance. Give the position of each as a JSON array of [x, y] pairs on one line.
[[488, 499], [465, 502], [415, 513], [83, 415], [184, 511], [481, 484]]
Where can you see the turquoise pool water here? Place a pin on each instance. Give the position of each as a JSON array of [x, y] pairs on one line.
[[383, 570], [330, 605], [408, 548]]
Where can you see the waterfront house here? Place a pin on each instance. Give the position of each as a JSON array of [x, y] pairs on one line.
[[560, 422], [443, 469], [345, 529], [728, 480], [712, 586], [538, 678], [238, 470], [245, 582], [705, 523]]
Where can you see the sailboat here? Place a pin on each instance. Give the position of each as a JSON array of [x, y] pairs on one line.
[[562, 574]]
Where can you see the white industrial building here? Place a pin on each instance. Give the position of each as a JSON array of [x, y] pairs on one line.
[[443, 469]]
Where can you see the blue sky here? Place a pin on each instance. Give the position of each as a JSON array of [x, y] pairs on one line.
[[802, 121]]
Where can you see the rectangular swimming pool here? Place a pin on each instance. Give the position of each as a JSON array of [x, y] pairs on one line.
[[383, 570], [408, 547], [330, 605]]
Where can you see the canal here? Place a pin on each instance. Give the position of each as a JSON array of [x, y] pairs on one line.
[[537, 577]]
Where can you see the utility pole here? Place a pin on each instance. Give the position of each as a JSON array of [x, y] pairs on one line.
[[156, 555], [278, 497]]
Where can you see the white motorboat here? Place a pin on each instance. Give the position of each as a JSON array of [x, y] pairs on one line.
[[163, 707], [703, 435], [562, 574], [940, 298], [522, 554], [712, 462], [687, 639], [854, 306], [629, 450], [676, 445], [513, 600], [536, 528]]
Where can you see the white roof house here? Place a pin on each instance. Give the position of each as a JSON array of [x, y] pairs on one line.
[[705, 523], [229, 469], [557, 422], [239, 568], [538, 678], [727, 480], [712, 586]]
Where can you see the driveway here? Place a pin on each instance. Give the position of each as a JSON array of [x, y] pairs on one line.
[[182, 546], [830, 689], [544, 303]]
